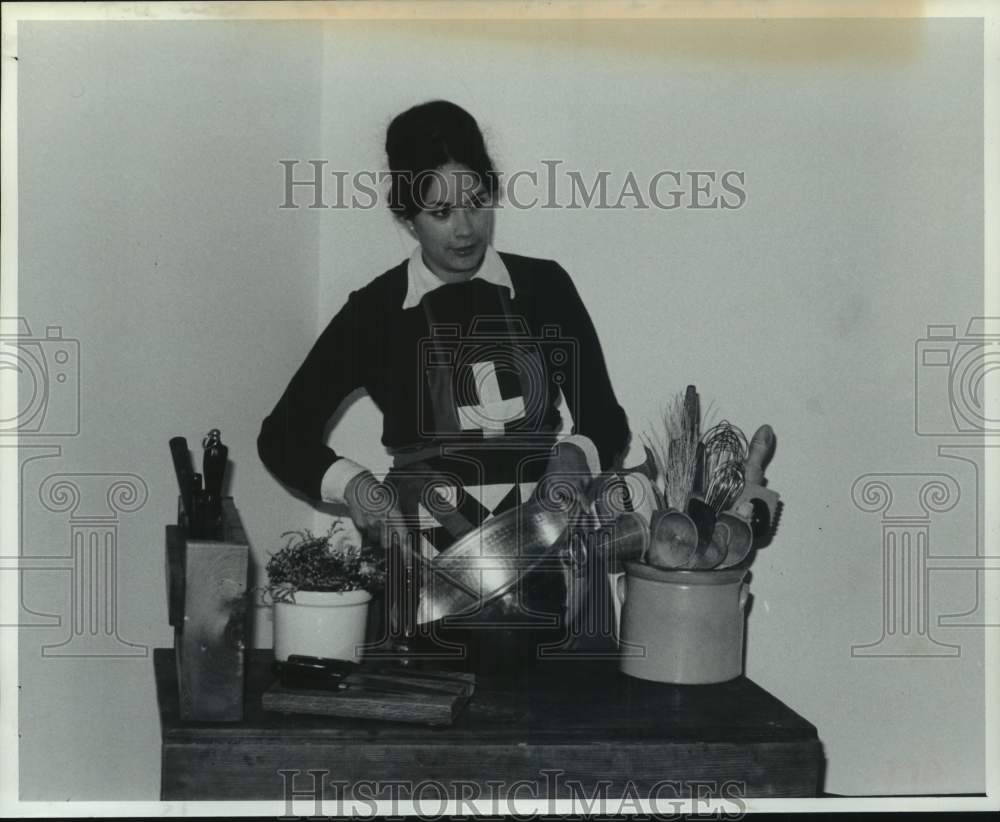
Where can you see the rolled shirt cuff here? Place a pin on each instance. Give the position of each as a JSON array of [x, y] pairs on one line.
[[333, 488], [589, 451]]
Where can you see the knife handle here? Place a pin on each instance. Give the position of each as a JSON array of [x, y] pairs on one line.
[[196, 516], [698, 485], [183, 469], [214, 465], [759, 454], [319, 665]]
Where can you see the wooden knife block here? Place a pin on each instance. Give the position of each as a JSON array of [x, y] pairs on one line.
[[207, 605]]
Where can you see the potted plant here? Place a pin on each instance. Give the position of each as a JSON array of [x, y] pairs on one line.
[[320, 587]]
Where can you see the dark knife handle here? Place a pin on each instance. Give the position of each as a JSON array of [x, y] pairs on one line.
[[320, 664], [196, 517], [698, 485], [313, 672], [214, 465], [183, 469]]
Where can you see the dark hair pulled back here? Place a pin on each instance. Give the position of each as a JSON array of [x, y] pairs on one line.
[[426, 137]]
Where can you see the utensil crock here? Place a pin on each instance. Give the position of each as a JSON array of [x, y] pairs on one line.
[[682, 626]]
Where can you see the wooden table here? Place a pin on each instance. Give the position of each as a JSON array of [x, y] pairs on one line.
[[599, 728]]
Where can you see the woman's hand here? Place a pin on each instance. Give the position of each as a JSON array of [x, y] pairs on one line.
[[374, 508], [567, 478]]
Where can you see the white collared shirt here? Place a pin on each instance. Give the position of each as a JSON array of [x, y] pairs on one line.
[[421, 280]]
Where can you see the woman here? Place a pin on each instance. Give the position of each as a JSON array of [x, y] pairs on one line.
[[464, 350]]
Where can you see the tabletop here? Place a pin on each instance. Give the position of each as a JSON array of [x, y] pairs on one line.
[[582, 717]]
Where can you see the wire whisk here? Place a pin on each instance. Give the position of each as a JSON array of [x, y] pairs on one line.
[[725, 460], [725, 484]]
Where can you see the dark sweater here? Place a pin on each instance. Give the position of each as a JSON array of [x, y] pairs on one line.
[[372, 343]]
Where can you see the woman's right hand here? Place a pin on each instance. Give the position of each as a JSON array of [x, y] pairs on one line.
[[374, 508]]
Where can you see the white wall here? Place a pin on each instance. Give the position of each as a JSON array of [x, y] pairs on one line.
[[149, 182], [862, 147], [149, 231]]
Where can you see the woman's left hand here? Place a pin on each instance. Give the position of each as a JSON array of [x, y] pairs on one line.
[[567, 479], [374, 509]]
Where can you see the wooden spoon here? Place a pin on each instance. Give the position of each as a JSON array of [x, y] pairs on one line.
[[673, 539], [737, 538]]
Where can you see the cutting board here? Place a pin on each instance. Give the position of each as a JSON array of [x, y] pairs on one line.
[[427, 708]]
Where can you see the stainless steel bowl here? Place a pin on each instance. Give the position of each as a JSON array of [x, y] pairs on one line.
[[486, 563]]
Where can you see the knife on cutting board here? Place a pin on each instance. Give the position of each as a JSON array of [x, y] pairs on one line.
[[334, 674]]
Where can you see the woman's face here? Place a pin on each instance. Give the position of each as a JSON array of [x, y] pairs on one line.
[[456, 224]]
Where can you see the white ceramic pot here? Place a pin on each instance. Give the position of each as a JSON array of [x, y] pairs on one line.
[[321, 623]]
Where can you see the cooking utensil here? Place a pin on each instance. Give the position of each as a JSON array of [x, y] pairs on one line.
[[214, 464], [735, 536], [643, 497], [724, 442], [702, 514], [681, 467], [647, 468], [709, 552], [725, 448], [759, 454], [725, 486], [647, 474], [621, 493], [196, 517], [673, 539], [300, 671], [704, 518], [359, 702], [763, 500], [692, 413], [627, 539], [346, 688], [698, 482], [765, 504], [486, 563], [183, 469], [674, 449], [405, 684]]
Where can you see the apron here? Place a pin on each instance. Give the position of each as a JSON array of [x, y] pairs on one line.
[[487, 394]]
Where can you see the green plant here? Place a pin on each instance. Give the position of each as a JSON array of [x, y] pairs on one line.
[[322, 563]]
